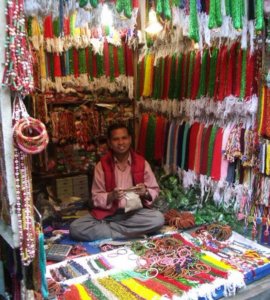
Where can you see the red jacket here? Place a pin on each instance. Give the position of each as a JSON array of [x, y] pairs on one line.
[[107, 162]]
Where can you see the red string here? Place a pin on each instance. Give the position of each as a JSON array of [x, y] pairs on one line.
[[219, 273], [266, 114], [257, 70], [129, 60], [207, 277], [135, 3], [174, 282], [66, 27], [142, 134], [207, 70], [238, 73], [222, 74], [217, 155], [48, 27], [218, 70], [250, 75], [72, 293], [207, 5], [205, 148], [115, 61], [106, 59], [157, 287], [196, 76], [230, 70], [57, 65]]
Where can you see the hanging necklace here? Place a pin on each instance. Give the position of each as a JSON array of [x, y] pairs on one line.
[[24, 201], [18, 74]]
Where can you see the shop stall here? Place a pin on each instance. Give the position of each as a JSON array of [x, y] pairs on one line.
[[190, 79]]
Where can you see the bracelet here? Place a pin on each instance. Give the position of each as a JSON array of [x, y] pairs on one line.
[[30, 135]]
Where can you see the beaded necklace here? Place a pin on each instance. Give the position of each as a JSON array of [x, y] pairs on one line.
[[24, 200], [259, 15], [237, 10], [18, 74], [163, 8], [94, 290], [215, 17], [193, 21], [125, 7], [196, 76]]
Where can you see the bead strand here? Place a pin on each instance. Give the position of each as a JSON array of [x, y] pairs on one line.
[[18, 73], [24, 200]]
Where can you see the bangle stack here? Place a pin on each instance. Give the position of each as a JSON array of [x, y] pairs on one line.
[[36, 139]]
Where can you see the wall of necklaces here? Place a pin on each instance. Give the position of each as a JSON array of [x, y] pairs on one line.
[[203, 104], [79, 65]]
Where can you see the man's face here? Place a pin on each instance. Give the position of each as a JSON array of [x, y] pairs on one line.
[[120, 141]]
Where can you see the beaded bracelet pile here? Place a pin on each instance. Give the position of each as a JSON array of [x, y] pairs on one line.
[[175, 258], [180, 220]]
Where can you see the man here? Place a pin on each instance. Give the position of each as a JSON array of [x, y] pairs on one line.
[[123, 191]]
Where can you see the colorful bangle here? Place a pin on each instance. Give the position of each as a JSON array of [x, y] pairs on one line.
[[30, 144]]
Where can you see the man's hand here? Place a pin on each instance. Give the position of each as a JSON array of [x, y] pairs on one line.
[[115, 195], [141, 189]]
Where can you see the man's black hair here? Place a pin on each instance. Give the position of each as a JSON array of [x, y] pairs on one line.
[[114, 126]]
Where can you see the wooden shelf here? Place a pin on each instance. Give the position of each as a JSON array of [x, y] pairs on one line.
[[85, 97], [58, 175]]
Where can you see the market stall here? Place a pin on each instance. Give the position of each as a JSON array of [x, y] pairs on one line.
[[190, 81]]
